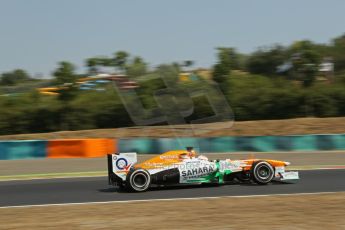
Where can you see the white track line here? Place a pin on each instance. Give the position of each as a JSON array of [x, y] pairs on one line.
[[167, 199], [50, 178]]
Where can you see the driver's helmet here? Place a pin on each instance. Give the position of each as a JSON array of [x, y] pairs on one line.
[[191, 153]]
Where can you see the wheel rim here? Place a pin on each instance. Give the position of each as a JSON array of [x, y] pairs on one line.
[[264, 172], [139, 180]]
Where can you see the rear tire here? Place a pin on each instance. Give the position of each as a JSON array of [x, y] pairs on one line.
[[262, 172], [138, 180]]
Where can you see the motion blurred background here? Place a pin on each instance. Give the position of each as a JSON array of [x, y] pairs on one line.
[[65, 63]]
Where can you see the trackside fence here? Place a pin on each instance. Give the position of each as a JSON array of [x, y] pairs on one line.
[[65, 148], [236, 144]]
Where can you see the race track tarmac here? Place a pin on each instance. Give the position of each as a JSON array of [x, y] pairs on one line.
[[94, 189]]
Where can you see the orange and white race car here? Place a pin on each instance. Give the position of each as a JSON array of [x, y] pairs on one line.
[[186, 167]]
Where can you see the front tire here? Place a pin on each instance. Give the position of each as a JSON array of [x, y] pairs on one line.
[[262, 172], [138, 180]]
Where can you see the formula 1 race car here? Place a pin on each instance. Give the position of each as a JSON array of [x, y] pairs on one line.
[[185, 167]]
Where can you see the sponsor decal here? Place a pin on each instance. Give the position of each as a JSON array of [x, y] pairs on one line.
[[289, 175], [121, 163], [197, 172], [233, 166], [279, 170], [168, 157]]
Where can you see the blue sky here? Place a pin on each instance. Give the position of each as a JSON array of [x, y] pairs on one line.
[[36, 34]]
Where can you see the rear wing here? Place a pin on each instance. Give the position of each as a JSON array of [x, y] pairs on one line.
[[118, 166], [112, 178]]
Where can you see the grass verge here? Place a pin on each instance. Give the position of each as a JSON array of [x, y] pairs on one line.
[[295, 212]]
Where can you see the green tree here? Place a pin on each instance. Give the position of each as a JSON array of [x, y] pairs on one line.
[[105, 61], [65, 76], [65, 73], [338, 53], [305, 61], [120, 60], [168, 72], [92, 64], [188, 63], [95, 63], [308, 74], [14, 77], [228, 59], [266, 60], [136, 68]]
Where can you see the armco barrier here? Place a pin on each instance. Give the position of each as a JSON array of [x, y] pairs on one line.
[[67, 148], [339, 141], [100, 147], [10, 150], [236, 144]]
